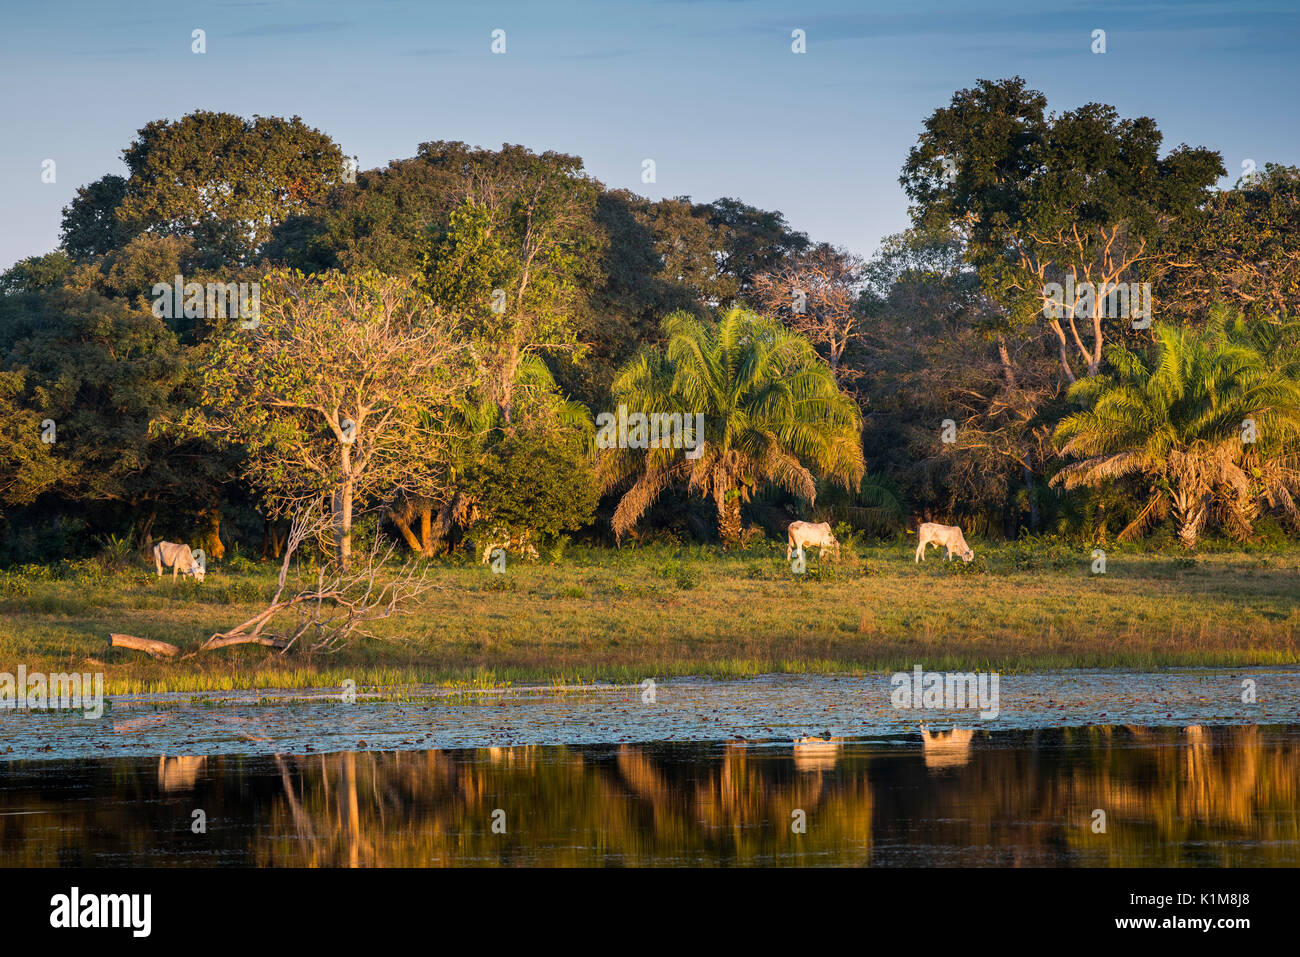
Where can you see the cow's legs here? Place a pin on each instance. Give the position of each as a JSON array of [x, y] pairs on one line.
[[920, 551], [789, 547]]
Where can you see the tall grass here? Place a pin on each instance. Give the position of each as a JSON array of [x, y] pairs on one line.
[[623, 615]]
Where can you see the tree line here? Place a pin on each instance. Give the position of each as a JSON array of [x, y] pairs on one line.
[[1079, 334]]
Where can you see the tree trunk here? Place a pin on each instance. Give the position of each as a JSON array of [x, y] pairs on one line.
[[1032, 493], [506, 384], [426, 531], [1065, 355], [272, 540], [728, 519], [156, 649], [344, 540], [1190, 510], [145, 540], [343, 510], [210, 533], [405, 529]]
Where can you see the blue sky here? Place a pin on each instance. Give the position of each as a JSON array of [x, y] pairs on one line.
[[709, 89]]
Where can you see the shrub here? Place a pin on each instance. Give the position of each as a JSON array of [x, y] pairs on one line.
[[535, 483], [555, 549], [116, 552]]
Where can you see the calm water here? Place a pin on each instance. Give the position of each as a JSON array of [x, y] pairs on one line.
[[1202, 796]]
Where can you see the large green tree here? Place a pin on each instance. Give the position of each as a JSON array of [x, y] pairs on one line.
[[220, 180], [340, 392], [109, 376], [1040, 198], [934, 348], [481, 450]]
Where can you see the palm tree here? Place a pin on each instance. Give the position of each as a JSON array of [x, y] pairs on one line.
[[772, 413], [1208, 422]]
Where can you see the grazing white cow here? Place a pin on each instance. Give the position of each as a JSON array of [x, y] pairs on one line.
[[800, 534], [949, 536], [179, 558]]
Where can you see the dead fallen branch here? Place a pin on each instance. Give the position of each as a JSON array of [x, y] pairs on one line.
[[225, 641], [158, 649], [166, 652]]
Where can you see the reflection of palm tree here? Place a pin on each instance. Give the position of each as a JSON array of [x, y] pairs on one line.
[[642, 806], [419, 809]]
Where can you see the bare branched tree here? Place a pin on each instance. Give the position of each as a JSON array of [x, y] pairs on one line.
[[816, 294]]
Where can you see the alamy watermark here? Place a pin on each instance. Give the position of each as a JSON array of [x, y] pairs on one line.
[[43, 692], [214, 300], [656, 430], [946, 690], [126, 911], [1120, 300]]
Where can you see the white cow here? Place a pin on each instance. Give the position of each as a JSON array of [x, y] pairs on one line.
[[950, 536], [800, 534], [179, 558]]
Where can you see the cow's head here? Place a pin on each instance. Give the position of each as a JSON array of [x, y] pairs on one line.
[[968, 555]]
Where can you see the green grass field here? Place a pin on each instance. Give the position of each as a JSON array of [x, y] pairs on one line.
[[624, 615]]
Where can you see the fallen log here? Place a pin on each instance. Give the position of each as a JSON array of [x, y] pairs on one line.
[[158, 649], [225, 641], [164, 651]]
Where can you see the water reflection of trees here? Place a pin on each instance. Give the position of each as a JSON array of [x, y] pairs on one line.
[[1172, 802], [625, 805], [1212, 795]]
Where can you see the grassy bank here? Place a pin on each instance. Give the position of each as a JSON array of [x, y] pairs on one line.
[[625, 615]]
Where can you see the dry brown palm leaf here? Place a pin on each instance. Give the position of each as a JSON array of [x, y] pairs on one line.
[[1156, 510]]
